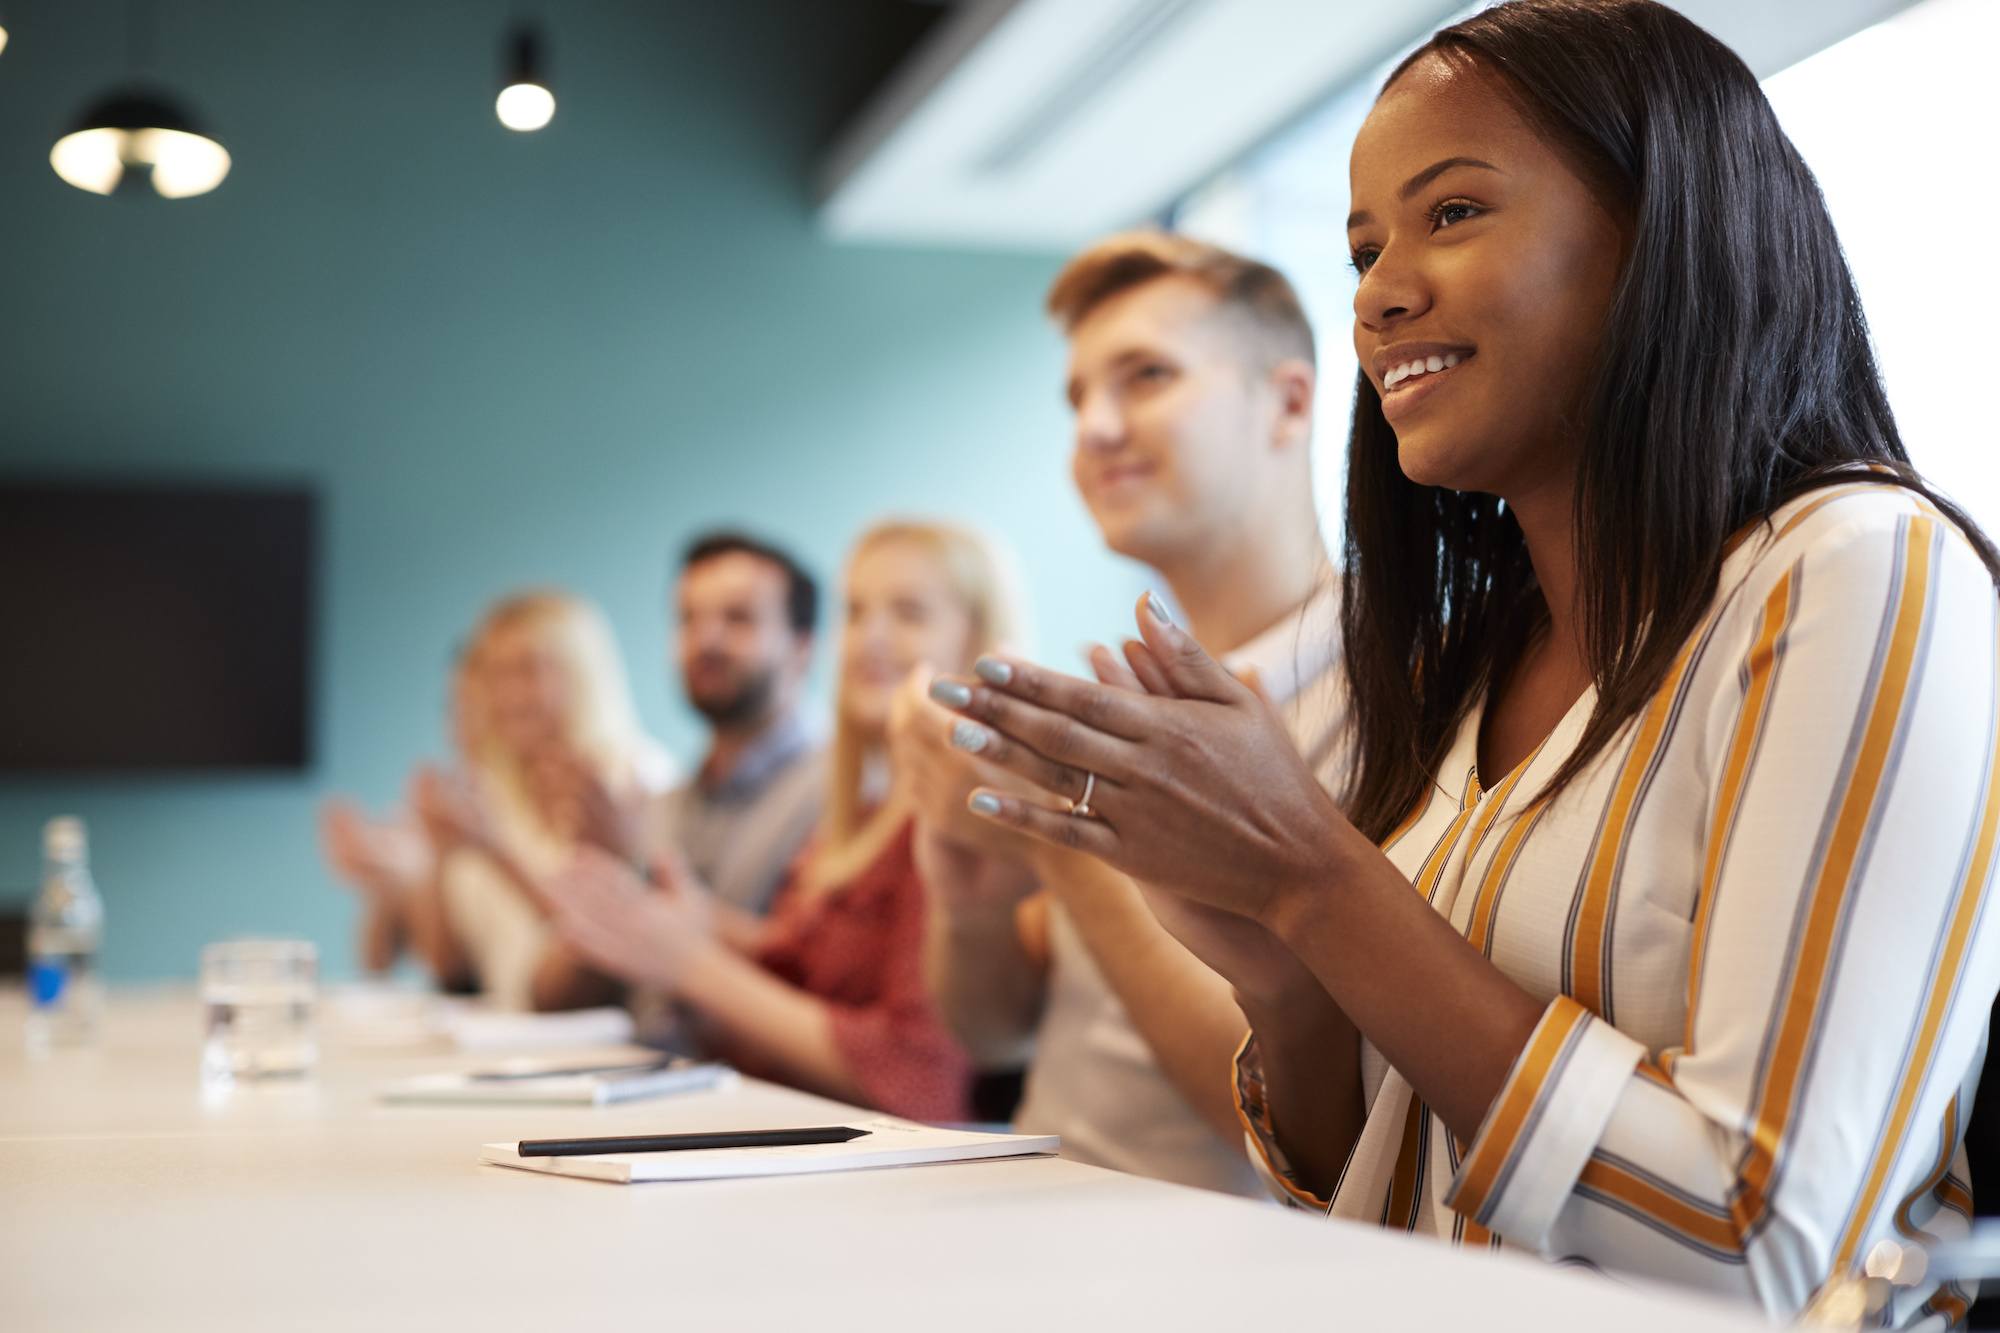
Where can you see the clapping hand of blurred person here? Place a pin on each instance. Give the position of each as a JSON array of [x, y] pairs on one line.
[[384, 858], [388, 862], [450, 807], [587, 808], [645, 934]]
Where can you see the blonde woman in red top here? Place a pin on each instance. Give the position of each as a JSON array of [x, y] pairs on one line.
[[827, 993]]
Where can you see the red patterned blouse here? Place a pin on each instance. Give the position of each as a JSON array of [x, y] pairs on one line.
[[859, 948]]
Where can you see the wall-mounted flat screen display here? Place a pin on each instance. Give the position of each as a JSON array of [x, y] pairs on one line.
[[154, 627]]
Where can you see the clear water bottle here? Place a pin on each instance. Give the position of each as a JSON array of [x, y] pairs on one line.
[[65, 927]]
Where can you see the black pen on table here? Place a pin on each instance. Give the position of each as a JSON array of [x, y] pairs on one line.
[[733, 1138]]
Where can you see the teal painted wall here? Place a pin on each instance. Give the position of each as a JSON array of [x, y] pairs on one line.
[[500, 359]]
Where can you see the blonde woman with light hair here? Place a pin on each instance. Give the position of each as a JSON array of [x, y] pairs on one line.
[[558, 733], [827, 993]]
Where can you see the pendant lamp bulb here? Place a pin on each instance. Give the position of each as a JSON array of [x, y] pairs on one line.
[[525, 103], [139, 134]]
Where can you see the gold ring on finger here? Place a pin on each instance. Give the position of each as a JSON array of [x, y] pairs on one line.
[[1080, 807]]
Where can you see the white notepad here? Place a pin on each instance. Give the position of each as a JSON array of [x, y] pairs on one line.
[[888, 1143], [553, 1082]]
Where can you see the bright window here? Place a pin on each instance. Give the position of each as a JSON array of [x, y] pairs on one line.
[[1896, 122]]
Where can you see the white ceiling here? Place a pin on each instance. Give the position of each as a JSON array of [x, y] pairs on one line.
[[1037, 124]]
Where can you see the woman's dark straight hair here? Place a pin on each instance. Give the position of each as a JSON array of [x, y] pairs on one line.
[[1735, 374]]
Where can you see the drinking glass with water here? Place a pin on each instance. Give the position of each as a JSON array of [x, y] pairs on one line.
[[258, 995]]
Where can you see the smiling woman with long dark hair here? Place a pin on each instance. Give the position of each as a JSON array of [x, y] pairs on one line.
[[1673, 695]]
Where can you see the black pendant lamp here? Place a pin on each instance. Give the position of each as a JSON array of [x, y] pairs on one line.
[[137, 135], [525, 102]]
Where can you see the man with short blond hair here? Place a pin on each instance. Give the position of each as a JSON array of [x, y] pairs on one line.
[[1191, 377], [1248, 289]]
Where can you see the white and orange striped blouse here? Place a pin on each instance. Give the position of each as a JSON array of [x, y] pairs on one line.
[[1758, 922]]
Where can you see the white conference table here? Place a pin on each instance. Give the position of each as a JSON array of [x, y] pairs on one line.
[[128, 1200]]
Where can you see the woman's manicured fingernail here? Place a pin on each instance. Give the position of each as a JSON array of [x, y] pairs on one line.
[[1159, 609], [970, 736], [984, 803], [950, 693], [993, 671]]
